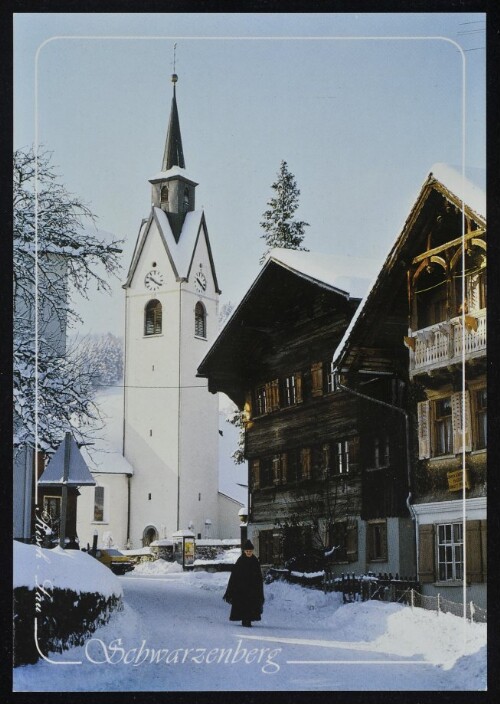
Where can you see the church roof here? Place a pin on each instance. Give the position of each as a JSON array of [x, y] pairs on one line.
[[173, 154], [180, 252]]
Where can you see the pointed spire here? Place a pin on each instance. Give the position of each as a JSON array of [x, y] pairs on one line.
[[173, 155]]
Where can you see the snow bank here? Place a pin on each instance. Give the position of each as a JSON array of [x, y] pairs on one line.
[[157, 567], [62, 569], [229, 557]]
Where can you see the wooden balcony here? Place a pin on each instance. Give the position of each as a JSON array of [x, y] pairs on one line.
[[448, 343]]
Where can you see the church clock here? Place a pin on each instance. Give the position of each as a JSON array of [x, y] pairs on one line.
[[153, 280]]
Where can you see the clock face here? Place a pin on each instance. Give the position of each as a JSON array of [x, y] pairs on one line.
[[200, 282], [153, 280]]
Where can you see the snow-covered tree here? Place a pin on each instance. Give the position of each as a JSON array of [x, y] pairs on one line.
[[237, 418], [56, 256], [102, 357], [281, 230], [225, 312]]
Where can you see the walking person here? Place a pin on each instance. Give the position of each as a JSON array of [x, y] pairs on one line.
[[245, 589]]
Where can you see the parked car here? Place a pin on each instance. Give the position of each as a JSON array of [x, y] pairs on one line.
[[115, 560]]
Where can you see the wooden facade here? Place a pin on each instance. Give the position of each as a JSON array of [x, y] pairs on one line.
[[433, 283], [326, 469]]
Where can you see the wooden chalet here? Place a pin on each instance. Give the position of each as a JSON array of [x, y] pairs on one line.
[[273, 359], [425, 318]]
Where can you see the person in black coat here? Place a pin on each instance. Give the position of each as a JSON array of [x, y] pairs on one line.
[[245, 589]]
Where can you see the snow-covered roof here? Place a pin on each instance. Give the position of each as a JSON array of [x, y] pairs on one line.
[[471, 193], [78, 471], [181, 252], [468, 193], [173, 172], [349, 275], [105, 455]]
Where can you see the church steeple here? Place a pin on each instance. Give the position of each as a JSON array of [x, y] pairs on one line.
[[173, 155], [172, 190]]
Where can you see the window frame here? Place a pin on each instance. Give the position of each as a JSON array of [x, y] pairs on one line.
[[450, 548], [103, 518], [200, 313], [442, 421], [480, 419], [153, 308], [373, 554]]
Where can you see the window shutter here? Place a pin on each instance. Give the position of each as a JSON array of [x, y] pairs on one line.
[[424, 435], [284, 468], [426, 560], [276, 469], [484, 543], [305, 460], [456, 415], [353, 452], [275, 395], [256, 474], [352, 541], [317, 379], [298, 387], [474, 562]]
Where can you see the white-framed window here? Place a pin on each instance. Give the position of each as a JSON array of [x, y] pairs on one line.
[[341, 457], [290, 393], [450, 551], [331, 380], [98, 504], [261, 400], [200, 320]]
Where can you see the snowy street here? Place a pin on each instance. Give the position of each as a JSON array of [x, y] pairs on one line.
[[174, 634]]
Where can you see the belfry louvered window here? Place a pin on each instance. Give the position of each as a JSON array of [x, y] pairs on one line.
[[152, 318], [200, 320]]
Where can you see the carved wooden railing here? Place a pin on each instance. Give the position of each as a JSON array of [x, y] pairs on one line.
[[446, 343]]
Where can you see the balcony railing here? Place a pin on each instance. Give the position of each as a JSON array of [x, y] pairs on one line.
[[445, 343]]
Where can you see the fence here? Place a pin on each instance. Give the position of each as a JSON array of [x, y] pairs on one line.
[[383, 587], [472, 612]]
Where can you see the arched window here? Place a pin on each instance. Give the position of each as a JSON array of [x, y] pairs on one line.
[[200, 320], [185, 202], [152, 318], [164, 195]]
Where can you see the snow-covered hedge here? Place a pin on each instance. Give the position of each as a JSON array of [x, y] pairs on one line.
[[60, 598]]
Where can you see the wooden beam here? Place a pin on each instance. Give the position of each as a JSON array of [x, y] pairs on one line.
[[447, 245]]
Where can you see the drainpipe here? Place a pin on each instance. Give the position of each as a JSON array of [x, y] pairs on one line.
[[407, 443]]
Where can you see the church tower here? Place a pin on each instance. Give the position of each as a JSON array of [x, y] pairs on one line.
[[170, 418]]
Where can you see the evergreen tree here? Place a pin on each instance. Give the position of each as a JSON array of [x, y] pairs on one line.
[[281, 230]]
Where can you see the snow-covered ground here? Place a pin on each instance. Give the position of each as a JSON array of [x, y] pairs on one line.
[[174, 634]]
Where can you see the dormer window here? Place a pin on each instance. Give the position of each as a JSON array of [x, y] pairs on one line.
[[152, 318]]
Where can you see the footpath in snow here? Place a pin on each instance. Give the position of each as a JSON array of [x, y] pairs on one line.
[[174, 634]]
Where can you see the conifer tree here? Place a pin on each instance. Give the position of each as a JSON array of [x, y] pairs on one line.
[[281, 230]]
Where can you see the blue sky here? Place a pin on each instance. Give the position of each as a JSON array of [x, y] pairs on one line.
[[359, 118]]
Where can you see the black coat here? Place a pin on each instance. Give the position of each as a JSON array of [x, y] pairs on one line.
[[245, 590]]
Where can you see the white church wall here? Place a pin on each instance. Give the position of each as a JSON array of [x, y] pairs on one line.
[[229, 520], [114, 523]]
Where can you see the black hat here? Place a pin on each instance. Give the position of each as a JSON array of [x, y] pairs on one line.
[[248, 545]]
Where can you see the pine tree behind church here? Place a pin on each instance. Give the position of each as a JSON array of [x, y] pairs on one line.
[[281, 230]]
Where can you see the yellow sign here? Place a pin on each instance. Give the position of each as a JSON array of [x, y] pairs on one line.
[[456, 480]]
